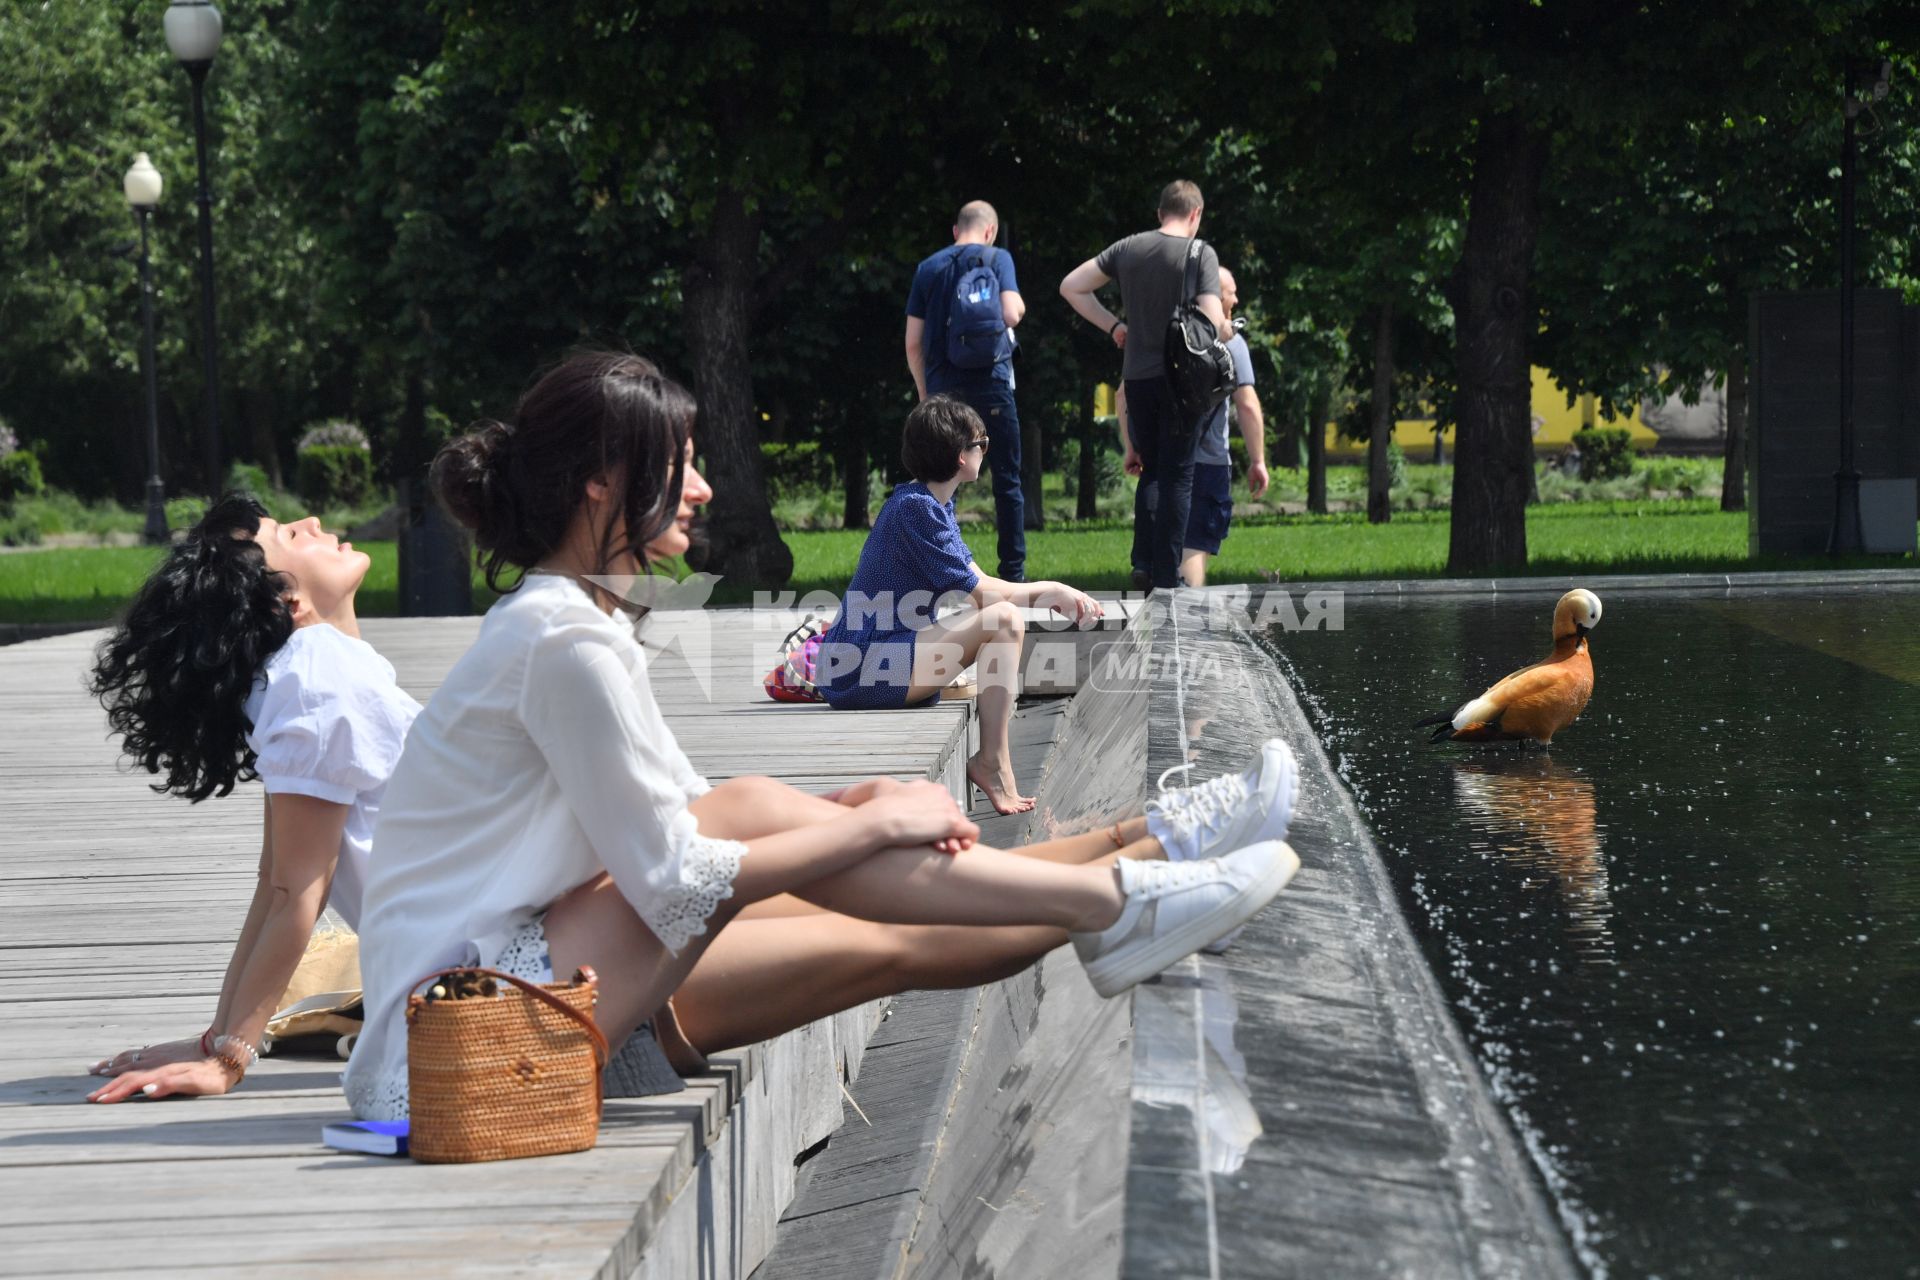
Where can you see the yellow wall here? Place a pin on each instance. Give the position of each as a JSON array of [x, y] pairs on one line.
[[1558, 421]]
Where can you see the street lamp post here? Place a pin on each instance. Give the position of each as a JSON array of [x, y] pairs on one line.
[[1847, 537], [193, 34], [143, 185]]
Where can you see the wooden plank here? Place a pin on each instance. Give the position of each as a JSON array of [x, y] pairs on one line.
[[117, 912]]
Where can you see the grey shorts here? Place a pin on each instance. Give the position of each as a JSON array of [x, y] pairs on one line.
[[639, 1067]]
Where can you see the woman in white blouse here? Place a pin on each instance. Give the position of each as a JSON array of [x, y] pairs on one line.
[[241, 657], [543, 817]]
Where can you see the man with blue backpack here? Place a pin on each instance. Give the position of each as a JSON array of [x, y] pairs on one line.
[[961, 313]]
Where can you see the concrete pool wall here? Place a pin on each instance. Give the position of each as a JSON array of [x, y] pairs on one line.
[[1359, 1137]]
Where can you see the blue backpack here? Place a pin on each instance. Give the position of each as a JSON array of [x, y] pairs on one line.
[[977, 336]]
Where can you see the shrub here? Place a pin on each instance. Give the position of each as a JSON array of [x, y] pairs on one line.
[[245, 477], [334, 475], [1606, 453], [185, 512], [790, 467], [20, 476], [335, 433], [1109, 478], [18, 531]]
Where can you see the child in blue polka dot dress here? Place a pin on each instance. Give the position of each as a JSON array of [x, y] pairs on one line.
[[891, 647]]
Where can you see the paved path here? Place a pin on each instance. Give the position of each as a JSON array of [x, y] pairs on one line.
[[117, 912]]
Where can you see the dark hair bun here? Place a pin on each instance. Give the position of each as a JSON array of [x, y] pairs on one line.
[[469, 476], [597, 414]]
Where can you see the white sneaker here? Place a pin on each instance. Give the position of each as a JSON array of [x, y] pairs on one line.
[[1175, 908], [1227, 812]]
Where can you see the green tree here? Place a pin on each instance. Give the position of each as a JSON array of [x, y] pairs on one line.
[[732, 121], [90, 85], [1650, 253]]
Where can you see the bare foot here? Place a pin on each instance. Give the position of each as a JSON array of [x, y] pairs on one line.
[[999, 786]]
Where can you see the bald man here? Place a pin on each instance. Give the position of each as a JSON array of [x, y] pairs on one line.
[[985, 382]]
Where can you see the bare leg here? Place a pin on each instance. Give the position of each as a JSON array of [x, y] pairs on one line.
[[595, 925], [1194, 568], [992, 637], [761, 978], [747, 808]]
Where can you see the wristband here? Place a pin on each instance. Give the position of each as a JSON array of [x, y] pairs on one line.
[[206, 1043], [231, 1063], [1117, 322], [226, 1047]]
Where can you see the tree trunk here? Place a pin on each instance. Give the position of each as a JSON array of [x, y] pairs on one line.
[[1031, 474], [258, 410], [1319, 405], [1492, 457], [1733, 476], [1086, 507], [1379, 473], [742, 542], [853, 469]]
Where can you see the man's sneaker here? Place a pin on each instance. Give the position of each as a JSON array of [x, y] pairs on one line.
[[1175, 908], [1229, 811]]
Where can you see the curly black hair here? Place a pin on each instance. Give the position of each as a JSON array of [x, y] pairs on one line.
[[175, 674]]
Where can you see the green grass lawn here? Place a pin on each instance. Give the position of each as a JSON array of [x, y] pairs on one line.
[[1596, 537], [1591, 537]]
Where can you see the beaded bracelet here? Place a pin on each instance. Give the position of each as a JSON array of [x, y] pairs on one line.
[[221, 1044], [231, 1063]]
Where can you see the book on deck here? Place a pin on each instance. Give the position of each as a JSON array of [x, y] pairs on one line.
[[370, 1137]]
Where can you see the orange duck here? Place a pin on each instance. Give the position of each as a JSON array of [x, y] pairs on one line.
[[1538, 701]]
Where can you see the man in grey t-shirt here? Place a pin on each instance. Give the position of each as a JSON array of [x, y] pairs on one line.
[[1151, 269]]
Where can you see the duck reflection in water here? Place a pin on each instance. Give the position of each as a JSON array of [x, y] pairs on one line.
[[1537, 812]]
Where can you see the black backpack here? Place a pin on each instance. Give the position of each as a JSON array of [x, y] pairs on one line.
[[1199, 366]]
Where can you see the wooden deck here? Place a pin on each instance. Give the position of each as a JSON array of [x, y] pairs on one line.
[[118, 909]]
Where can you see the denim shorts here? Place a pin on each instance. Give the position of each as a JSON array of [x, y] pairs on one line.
[[1212, 510]]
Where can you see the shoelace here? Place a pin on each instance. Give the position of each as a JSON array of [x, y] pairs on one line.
[[1155, 878], [1170, 801], [1207, 811]]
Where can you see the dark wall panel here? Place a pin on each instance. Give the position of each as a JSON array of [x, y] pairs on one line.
[[1794, 442]]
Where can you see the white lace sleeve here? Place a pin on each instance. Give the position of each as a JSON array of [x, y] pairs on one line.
[[707, 867]]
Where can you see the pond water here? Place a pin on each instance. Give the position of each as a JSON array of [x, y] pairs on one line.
[[1684, 943]]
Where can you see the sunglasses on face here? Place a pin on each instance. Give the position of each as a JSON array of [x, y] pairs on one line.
[[981, 443]]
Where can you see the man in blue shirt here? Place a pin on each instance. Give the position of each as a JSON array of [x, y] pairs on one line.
[[988, 390]]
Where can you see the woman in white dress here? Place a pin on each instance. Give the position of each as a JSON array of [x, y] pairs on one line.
[[543, 817]]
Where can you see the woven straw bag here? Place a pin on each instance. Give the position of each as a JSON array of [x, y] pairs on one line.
[[501, 1078]]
